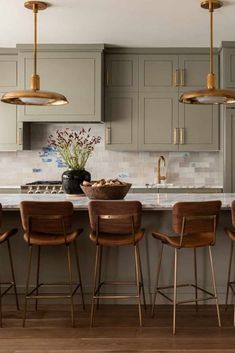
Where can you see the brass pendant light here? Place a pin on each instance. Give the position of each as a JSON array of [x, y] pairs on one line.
[[211, 95], [34, 96]]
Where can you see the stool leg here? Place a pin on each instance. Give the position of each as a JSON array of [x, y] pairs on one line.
[[214, 286], [229, 274], [138, 284], [175, 290], [13, 274], [141, 275], [27, 284], [99, 272], [94, 285], [79, 273], [0, 306], [195, 277], [70, 283], [157, 279], [38, 273]]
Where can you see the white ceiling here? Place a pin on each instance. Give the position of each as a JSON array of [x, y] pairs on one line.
[[157, 23]]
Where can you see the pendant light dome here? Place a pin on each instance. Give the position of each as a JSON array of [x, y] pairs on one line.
[[210, 95], [34, 96]]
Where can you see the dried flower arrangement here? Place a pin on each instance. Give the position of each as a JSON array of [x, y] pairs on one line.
[[74, 147]]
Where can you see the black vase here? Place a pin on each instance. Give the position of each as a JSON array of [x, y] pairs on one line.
[[72, 178]]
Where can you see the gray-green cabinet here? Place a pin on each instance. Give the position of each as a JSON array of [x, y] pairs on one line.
[[227, 65], [68, 69], [229, 150], [122, 126], [164, 124], [10, 130], [121, 72]]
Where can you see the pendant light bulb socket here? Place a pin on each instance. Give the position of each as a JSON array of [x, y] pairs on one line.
[[211, 81]]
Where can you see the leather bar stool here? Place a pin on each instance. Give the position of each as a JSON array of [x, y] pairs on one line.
[[50, 224], [5, 238], [194, 225], [116, 223], [231, 235]]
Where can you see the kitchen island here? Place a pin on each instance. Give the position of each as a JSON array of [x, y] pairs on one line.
[[117, 261]]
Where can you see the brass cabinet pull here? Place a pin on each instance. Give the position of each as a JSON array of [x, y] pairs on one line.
[[182, 77], [182, 136], [176, 78], [176, 136], [108, 135], [19, 137], [107, 78]]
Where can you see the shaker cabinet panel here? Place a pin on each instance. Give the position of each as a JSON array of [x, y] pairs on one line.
[[193, 71], [228, 68], [8, 127], [158, 73], [8, 73], [121, 121], [198, 127], [75, 75], [158, 120], [122, 72]]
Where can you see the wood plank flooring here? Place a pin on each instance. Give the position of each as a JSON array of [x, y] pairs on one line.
[[116, 331]]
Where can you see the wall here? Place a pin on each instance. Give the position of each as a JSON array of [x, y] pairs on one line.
[[197, 169]]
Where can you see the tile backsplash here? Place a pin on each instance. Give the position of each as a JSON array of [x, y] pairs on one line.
[[139, 168]]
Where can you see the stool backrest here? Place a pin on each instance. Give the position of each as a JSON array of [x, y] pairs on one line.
[[123, 213], [46, 217], [195, 217], [233, 212]]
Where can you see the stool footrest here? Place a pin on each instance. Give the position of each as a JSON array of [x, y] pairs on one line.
[[124, 283], [31, 295], [211, 295], [10, 285]]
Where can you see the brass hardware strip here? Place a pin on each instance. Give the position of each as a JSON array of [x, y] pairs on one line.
[[182, 77], [176, 78], [19, 139], [181, 136], [176, 136], [107, 78], [108, 135]]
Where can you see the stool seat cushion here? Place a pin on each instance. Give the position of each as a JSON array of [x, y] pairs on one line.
[[230, 233], [7, 234], [117, 239], [51, 239], [189, 241]]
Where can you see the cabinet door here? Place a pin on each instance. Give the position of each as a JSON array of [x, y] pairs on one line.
[[158, 73], [198, 127], [158, 121], [228, 68], [121, 116], [76, 75], [122, 72], [193, 71], [229, 151], [8, 112]]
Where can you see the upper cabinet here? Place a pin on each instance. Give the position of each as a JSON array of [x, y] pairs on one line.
[[227, 65], [73, 70], [163, 124], [10, 131]]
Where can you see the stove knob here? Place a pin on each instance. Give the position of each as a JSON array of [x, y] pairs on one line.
[[53, 191], [61, 191], [38, 190], [30, 190]]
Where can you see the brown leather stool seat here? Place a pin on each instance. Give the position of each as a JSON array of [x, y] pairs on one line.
[[194, 226], [116, 223], [5, 238], [231, 234], [50, 224]]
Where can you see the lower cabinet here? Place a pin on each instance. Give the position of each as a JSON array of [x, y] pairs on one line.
[[122, 125]]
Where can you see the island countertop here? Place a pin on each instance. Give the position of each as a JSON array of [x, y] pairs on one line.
[[153, 201]]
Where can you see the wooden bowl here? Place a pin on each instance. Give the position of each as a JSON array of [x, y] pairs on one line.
[[106, 192]]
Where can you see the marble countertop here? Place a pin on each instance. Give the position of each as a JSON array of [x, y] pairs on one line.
[[149, 201]]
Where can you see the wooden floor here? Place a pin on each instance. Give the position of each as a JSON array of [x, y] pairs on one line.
[[116, 330]]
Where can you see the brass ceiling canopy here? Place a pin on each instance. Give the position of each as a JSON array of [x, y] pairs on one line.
[[34, 96], [210, 95]]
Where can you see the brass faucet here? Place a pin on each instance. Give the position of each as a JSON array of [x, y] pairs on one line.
[[159, 176]]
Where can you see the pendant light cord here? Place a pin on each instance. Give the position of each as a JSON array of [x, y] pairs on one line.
[[35, 12], [211, 10]]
